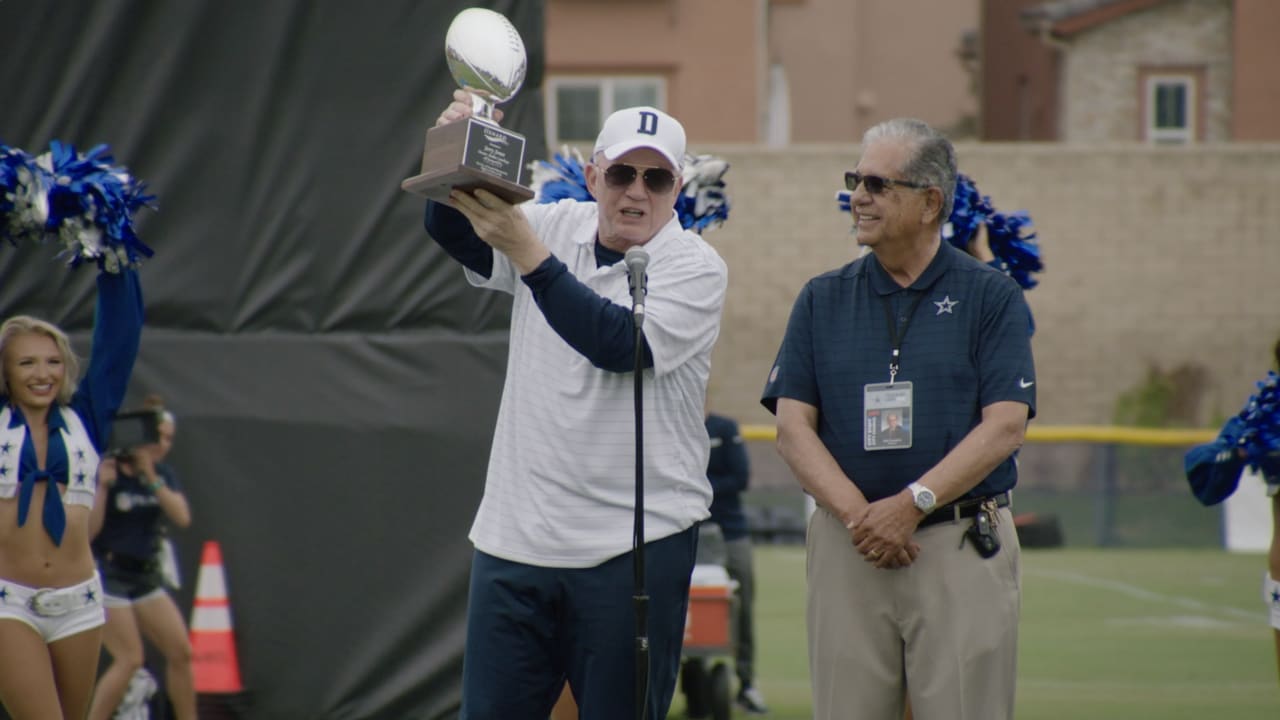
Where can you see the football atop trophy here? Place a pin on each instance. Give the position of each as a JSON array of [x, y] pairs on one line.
[[487, 58]]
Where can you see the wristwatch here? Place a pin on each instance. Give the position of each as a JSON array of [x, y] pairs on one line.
[[923, 497]]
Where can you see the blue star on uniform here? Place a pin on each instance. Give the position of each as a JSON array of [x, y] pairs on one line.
[[90, 595], [80, 453], [945, 305], [4, 471], [5, 448], [80, 477], [1275, 596], [4, 594]]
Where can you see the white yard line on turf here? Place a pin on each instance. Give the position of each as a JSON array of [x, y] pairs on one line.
[[1141, 593]]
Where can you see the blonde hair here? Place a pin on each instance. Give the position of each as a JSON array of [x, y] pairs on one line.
[[27, 325]]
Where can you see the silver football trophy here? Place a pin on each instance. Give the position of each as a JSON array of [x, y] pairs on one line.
[[487, 58]]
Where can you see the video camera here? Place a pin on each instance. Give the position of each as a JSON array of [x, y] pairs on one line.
[[131, 429]]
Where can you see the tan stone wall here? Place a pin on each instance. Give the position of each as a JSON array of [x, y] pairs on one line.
[[1164, 256], [1100, 76]]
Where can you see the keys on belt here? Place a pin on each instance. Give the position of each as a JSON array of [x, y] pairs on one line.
[[962, 509]]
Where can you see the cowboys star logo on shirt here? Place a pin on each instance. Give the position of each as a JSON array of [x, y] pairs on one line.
[[945, 305]]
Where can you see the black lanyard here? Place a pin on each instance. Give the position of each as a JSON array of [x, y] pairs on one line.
[[895, 357]]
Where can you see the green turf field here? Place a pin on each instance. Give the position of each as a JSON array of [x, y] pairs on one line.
[[1134, 634]]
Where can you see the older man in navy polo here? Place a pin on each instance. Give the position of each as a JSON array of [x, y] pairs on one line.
[[913, 567]]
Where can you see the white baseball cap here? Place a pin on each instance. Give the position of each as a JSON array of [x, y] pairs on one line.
[[646, 127]]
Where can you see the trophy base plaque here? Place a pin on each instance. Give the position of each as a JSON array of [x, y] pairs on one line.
[[467, 155]]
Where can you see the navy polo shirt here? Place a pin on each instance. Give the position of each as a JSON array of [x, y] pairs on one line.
[[966, 346], [729, 470]]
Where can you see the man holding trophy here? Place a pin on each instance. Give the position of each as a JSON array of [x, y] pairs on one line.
[[551, 580]]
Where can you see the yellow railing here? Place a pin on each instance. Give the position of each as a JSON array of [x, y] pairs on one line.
[[1156, 437]]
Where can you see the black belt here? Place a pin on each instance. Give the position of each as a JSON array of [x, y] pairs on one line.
[[960, 509]]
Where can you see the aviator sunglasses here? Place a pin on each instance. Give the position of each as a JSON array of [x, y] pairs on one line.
[[876, 184], [657, 180]]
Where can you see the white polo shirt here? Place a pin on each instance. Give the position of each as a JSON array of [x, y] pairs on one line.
[[560, 490]]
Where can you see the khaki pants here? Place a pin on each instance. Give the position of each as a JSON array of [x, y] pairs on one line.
[[946, 628]]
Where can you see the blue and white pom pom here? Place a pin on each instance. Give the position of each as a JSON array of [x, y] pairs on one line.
[[1260, 438], [1010, 236], [703, 203], [79, 199], [970, 211], [560, 179], [1013, 243], [24, 197]]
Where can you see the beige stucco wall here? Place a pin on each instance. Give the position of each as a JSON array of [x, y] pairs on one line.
[[853, 63], [710, 53], [1256, 87], [848, 63], [1164, 256], [1100, 85]]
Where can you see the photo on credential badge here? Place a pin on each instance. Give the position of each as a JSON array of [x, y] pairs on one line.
[[888, 416]]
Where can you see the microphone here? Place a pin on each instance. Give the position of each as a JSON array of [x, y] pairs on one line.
[[637, 260]]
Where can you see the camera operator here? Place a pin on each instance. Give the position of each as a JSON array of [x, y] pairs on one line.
[[139, 492]]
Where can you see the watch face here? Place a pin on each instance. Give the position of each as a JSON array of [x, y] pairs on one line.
[[925, 499]]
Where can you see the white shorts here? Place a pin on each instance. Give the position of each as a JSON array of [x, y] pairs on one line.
[[1271, 596], [54, 613]]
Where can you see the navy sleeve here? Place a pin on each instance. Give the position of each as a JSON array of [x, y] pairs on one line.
[[452, 231], [792, 375], [729, 467], [602, 331], [1006, 366], [1213, 469], [117, 332]]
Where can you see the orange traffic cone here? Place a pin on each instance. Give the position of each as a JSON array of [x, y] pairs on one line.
[[213, 648]]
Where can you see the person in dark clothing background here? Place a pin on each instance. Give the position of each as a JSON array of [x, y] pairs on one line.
[[139, 493], [1246, 441], [729, 470]]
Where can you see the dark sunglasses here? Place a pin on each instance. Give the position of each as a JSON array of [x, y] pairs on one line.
[[876, 184], [657, 180]]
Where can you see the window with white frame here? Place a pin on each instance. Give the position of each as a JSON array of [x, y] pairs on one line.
[[578, 105], [1171, 109]]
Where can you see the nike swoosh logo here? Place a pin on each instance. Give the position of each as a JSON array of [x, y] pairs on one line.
[[1024, 384]]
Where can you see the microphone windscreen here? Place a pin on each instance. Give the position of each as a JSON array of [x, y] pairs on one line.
[[636, 258]]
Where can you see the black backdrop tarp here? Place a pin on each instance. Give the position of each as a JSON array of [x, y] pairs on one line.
[[334, 377]]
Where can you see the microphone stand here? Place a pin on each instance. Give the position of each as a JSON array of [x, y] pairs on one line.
[[640, 598]]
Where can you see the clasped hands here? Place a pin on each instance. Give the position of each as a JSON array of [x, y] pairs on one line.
[[882, 531]]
